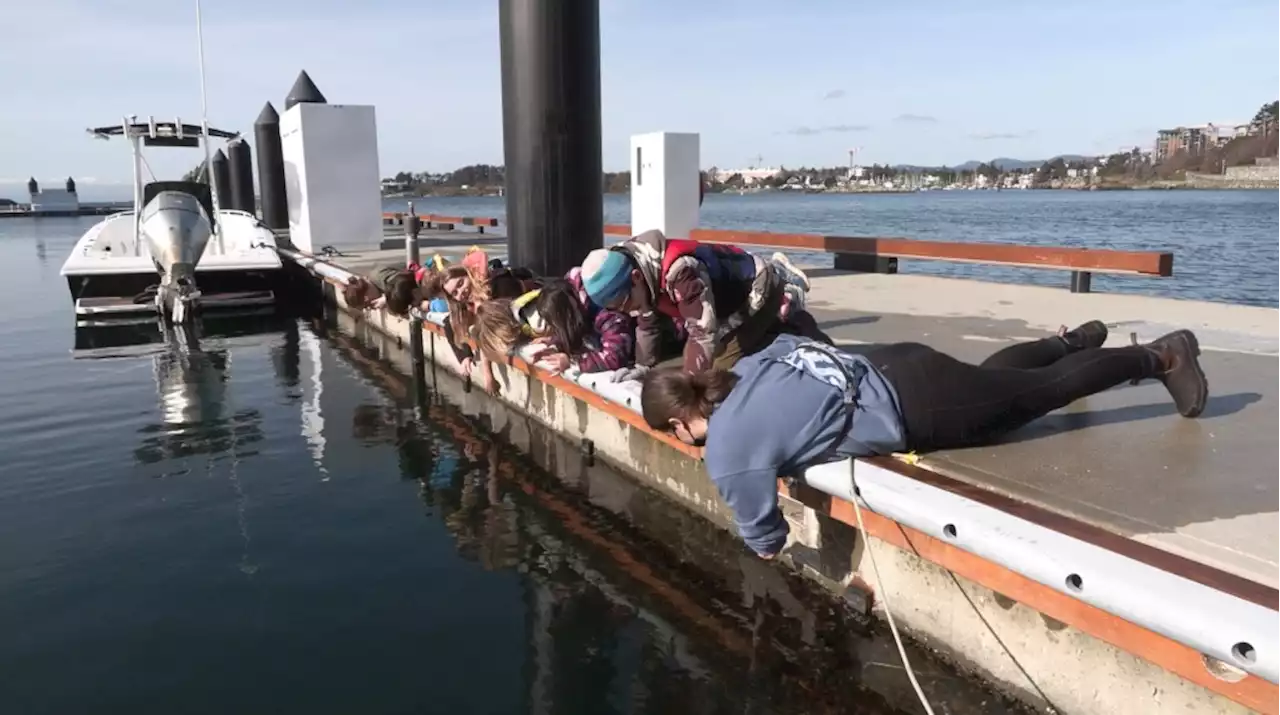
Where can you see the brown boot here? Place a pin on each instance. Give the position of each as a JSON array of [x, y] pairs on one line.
[[1180, 371]]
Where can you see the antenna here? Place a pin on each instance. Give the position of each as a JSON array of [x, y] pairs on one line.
[[204, 127]]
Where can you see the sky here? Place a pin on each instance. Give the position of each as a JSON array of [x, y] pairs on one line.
[[796, 83]]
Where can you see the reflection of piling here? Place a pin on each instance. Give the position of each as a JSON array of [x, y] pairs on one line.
[[240, 160], [221, 179], [275, 203]]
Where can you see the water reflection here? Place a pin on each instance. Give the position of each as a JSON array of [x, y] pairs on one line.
[[191, 367], [632, 604]]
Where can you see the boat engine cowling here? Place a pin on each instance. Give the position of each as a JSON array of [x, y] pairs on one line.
[[177, 231]]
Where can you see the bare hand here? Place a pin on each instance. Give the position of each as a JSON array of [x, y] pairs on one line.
[[466, 365], [490, 384], [551, 360], [378, 303]]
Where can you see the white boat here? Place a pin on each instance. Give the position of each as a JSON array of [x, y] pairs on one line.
[[176, 252]]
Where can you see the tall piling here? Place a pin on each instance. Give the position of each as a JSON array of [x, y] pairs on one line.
[[271, 185], [221, 180], [551, 131], [241, 161]]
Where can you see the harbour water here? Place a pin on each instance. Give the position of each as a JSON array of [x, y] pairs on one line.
[[1224, 242], [267, 521], [270, 523]]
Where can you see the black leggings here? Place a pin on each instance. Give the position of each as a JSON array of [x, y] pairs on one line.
[[946, 403]]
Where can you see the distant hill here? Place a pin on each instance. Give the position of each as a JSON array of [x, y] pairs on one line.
[[1002, 163]]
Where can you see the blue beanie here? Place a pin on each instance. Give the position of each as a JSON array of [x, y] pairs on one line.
[[606, 276]]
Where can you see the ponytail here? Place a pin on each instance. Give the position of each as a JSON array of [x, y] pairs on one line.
[[671, 393]]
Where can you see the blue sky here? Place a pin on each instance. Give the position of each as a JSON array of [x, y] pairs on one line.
[[798, 83]]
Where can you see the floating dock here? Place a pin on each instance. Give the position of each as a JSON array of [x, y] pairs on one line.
[[1112, 557]]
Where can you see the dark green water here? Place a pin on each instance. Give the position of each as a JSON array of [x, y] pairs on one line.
[[274, 520]]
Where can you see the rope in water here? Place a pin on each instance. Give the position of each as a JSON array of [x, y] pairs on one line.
[[888, 612]]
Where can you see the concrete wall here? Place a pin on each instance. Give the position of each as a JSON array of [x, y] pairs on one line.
[[1259, 176]]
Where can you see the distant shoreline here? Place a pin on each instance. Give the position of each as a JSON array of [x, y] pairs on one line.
[[1144, 186]]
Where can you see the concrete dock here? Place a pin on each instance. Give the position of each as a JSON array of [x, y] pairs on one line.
[[1121, 470]]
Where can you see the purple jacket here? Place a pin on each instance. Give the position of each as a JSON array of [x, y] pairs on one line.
[[616, 333]]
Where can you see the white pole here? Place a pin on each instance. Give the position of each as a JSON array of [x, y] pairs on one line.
[[204, 131], [137, 184]]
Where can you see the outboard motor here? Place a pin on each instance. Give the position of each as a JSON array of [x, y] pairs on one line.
[[177, 230]]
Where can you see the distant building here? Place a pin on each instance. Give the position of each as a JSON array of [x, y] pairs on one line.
[[749, 176], [53, 201], [1196, 140]]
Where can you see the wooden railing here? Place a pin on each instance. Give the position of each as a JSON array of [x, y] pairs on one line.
[[878, 254], [441, 223]]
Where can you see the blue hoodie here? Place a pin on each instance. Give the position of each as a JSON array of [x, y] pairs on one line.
[[782, 417]]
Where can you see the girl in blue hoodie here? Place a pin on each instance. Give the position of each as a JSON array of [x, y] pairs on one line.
[[799, 403]]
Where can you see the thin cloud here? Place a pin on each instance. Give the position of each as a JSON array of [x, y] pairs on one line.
[[915, 119], [994, 136], [834, 94], [832, 129]]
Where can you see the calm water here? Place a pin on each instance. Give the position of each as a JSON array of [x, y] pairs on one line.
[[273, 521], [1224, 242]]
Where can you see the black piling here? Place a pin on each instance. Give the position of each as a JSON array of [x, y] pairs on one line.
[[275, 202], [71, 185], [33, 186], [303, 91], [221, 180], [551, 131], [240, 160]]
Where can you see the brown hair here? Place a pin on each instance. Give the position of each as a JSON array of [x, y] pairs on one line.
[[497, 329], [671, 393], [434, 286], [401, 293], [562, 313], [461, 317], [358, 293]]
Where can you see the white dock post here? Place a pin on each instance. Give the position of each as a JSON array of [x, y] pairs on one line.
[[332, 180], [665, 183]]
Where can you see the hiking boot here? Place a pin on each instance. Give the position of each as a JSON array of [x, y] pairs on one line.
[[1092, 334], [789, 272], [1180, 371]]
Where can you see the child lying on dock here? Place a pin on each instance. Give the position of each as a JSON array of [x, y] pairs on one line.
[[466, 286], [561, 320], [394, 288], [799, 403], [730, 302]]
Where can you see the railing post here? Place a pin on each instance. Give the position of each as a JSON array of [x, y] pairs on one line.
[[1081, 281], [866, 263], [412, 226]]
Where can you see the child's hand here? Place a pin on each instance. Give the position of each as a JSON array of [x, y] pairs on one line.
[[554, 362], [466, 365], [378, 303]]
